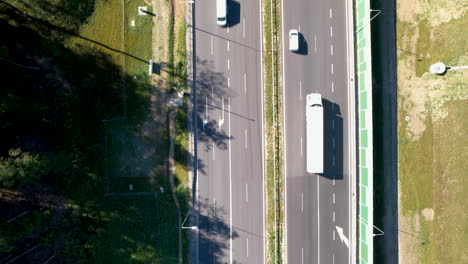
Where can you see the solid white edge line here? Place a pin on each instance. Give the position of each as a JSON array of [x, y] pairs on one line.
[[351, 136], [285, 237], [263, 132], [230, 183]]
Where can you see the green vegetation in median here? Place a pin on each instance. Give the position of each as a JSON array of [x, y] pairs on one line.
[[273, 132]]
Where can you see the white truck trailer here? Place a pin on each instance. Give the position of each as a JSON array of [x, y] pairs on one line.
[[314, 120]]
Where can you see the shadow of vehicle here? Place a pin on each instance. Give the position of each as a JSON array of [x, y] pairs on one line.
[[234, 13], [333, 140]]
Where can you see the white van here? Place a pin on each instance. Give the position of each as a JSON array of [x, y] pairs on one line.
[[221, 12], [293, 40]]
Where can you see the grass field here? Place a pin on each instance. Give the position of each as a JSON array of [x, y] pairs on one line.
[[432, 129]]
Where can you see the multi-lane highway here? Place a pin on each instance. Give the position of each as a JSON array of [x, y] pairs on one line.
[[229, 137], [318, 207]]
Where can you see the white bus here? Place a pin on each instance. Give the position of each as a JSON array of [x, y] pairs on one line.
[[314, 120]]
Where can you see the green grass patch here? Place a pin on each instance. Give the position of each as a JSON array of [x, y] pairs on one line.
[[437, 181], [432, 166], [103, 32], [445, 42], [417, 184], [137, 38], [139, 229]]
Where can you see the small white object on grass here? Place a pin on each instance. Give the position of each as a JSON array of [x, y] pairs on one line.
[[132, 23], [142, 10], [438, 68]]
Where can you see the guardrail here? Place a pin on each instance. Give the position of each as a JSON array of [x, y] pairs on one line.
[[365, 166]]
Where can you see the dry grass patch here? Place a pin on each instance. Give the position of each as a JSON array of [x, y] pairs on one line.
[[432, 132]]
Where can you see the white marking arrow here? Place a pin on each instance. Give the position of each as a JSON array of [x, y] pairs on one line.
[[343, 238]]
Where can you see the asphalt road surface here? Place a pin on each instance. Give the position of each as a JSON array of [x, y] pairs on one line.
[[317, 206], [229, 137]]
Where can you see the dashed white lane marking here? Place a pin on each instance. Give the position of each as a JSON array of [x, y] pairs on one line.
[[211, 44], [302, 255], [333, 182], [212, 94], [214, 206], [333, 259], [228, 64], [333, 87], [333, 124], [243, 27], [331, 15], [331, 31], [246, 192], [333, 198], [302, 201], [245, 135], [227, 29], [206, 108], [245, 83], [331, 49], [301, 146], [333, 216], [333, 143], [299, 28], [333, 235], [247, 246], [318, 220], [229, 82], [227, 45], [333, 161], [332, 68], [213, 148], [300, 90], [315, 43]]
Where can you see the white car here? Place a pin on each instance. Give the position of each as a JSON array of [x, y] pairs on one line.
[[293, 40]]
